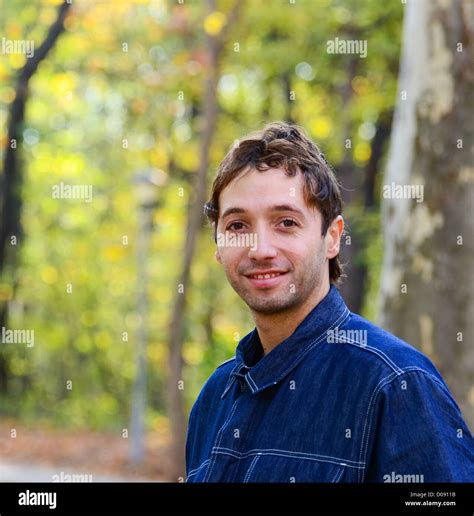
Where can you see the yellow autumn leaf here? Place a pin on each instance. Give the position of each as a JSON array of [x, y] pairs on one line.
[[63, 83], [193, 353], [7, 95], [14, 31], [362, 152], [16, 60], [321, 127], [159, 156], [361, 85], [114, 253], [156, 354], [6, 292], [49, 275], [3, 70], [214, 22], [188, 158]]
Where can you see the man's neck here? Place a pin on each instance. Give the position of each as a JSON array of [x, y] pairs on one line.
[[273, 329]]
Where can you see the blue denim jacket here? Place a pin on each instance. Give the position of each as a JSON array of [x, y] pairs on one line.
[[340, 400]]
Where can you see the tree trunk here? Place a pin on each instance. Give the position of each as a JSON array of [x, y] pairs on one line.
[[427, 278], [12, 178], [194, 222], [352, 289], [137, 448]]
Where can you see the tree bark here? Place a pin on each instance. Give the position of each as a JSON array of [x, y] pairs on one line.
[[427, 277], [194, 222]]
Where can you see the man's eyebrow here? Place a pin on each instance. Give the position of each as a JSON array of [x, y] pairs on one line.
[[233, 209], [278, 207], [287, 207]]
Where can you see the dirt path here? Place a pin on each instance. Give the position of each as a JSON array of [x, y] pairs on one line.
[[28, 472], [36, 454]]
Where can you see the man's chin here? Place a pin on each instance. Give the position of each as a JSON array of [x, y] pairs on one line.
[[269, 306], [266, 301]]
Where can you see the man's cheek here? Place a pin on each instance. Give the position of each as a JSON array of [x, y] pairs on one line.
[[228, 260]]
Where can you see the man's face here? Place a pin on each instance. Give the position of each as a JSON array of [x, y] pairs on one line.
[[269, 206]]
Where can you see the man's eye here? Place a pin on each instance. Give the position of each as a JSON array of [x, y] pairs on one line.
[[288, 223], [232, 227]]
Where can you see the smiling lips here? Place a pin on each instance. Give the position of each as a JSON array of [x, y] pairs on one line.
[[265, 278]]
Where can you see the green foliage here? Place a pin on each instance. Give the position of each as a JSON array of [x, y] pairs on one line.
[[134, 72]]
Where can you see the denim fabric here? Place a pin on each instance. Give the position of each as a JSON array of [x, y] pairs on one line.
[[328, 405]]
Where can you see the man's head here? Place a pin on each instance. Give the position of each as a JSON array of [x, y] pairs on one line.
[[276, 187]]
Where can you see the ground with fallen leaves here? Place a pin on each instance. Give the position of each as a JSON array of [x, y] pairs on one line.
[[83, 451]]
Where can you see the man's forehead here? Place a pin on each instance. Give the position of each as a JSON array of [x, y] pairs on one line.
[[268, 191]]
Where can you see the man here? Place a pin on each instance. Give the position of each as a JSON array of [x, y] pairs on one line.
[[315, 393]]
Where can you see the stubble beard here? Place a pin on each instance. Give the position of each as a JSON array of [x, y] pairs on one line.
[[297, 288]]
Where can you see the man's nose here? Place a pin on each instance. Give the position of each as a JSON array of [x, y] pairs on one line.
[[264, 248]]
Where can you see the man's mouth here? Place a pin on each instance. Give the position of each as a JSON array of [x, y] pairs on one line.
[[265, 278]]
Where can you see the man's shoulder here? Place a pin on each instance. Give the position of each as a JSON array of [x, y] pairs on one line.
[[370, 345], [218, 379], [226, 364]]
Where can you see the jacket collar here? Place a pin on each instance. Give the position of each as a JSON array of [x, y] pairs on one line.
[[261, 371]]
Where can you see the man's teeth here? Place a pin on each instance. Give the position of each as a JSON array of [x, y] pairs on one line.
[[265, 276]]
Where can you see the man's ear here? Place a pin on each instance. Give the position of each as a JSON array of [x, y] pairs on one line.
[[216, 254], [333, 237]]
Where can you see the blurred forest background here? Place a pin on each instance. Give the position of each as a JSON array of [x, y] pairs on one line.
[[137, 102]]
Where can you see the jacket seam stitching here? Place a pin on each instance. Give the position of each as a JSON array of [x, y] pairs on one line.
[[301, 458], [225, 362], [219, 436], [375, 351], [338, 475], [408, 369], [252, 380], [285, 453], [251, 468], [196, 470], [368, 419], [230, 380]]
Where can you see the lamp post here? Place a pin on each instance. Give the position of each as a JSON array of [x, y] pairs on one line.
[[147, 185]]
